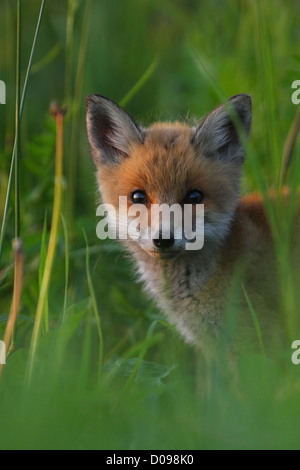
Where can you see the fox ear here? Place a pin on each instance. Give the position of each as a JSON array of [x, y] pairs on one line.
[[111, 131], [217, 136]]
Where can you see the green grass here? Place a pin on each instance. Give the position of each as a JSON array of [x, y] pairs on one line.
[[109, 372]]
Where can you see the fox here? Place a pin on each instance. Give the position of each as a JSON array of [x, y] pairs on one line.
[[175, 163]]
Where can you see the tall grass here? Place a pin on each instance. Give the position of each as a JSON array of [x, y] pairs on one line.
[[75, 104], [95, 307], [92, 362], [19, 112], [58, 115]]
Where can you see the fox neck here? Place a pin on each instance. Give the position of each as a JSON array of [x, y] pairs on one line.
[[178, 286], [159, 273]]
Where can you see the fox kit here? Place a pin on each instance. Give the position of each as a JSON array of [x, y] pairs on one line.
[[172, 163]]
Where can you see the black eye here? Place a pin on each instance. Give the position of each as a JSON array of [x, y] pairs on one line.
[[194, 197], [138, 197]]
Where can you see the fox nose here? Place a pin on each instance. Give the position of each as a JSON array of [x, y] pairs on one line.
[[162, 243]]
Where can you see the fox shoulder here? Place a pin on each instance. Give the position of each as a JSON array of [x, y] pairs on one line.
[[251, 208]]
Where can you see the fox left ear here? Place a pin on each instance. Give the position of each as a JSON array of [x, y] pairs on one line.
[[218, 135], [111, 131]]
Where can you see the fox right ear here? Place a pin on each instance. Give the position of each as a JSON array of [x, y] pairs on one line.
[[111, 131]]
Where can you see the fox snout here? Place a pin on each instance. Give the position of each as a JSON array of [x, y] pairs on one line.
[[162, 239], [163, 243]]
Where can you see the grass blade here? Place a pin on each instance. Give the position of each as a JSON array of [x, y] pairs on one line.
[[95, 306], [72, 6], [67, 258], [18, 282], [59, 116], [267, 87], [9, 186], [289, 145], [43, 257], [140, 83], [17, 114], [73, 160], [256, 322]]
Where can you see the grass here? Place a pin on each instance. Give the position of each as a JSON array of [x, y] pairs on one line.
[[19, 113], [92, 362], [58, 114]]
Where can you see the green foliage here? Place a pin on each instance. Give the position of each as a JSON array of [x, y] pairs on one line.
[[110, 372]]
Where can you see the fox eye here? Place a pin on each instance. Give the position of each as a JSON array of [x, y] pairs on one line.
[[138, 197], [194, 197]]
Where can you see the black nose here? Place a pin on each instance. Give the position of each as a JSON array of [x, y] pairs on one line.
[[163, 242]]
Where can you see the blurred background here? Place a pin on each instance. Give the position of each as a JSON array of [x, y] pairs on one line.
[[161, 60]]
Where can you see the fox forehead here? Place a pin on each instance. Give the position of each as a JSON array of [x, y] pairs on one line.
[[166, 166], [168, 134]]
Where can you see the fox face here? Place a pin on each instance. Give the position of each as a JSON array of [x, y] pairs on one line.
[[170, 165]]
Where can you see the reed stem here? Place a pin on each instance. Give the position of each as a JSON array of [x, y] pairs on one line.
[[58, 114]]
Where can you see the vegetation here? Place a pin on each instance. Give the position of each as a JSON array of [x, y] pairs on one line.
[[91, 361]]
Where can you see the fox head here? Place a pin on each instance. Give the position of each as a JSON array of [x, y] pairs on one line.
[[170, 163]]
